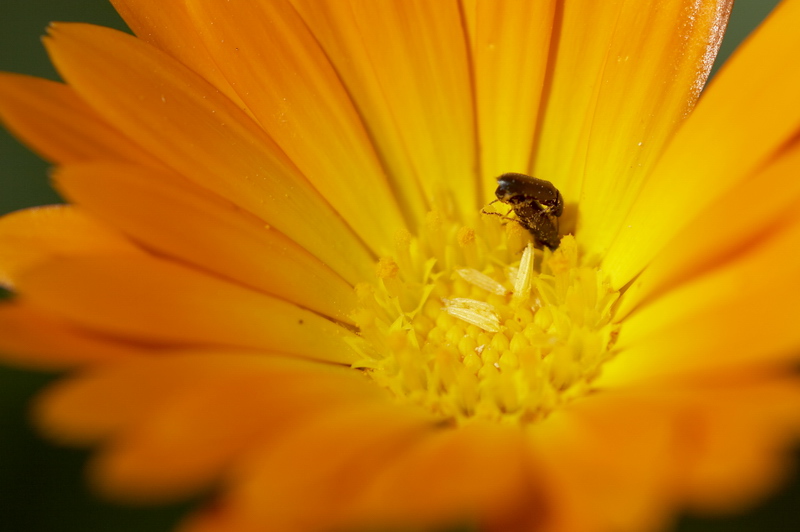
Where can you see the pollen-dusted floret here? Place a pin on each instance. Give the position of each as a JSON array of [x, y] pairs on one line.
[[386, 268], [490, 332]]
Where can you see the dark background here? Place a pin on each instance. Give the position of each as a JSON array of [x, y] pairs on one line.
[[41, 487]]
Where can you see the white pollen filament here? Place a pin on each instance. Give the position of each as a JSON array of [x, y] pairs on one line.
[[524, 278], [483, 281], [477, 313], [478, 327]]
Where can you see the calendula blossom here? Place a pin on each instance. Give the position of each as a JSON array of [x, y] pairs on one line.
[[280, 276]]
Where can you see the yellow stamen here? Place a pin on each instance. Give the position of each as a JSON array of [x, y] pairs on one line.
[[478, 324]]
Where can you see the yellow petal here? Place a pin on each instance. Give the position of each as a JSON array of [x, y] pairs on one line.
[[32, 236], [194, 130], [34, 339], [623, 78], [740, 315], [151, 300], [749, 212], [511, 45], [178, 219], [717, 148], [414, 95], [167, 26], [582, 31], [56, 123], [651, 80], [285, 78]]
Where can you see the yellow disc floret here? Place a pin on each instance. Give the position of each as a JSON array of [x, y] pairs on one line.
[[475, 323]]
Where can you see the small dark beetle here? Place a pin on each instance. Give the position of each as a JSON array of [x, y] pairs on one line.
[[537, 204]]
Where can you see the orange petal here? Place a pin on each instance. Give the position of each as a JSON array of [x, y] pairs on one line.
[[334, 28], [56, 123], [37, 340], [605, 462], [218, 518], [415, 96], [176, 423], [287, 81], [450, 476], [194, 130], [278, 486], [178, 219], [716, 148], [626, 460], [151, 300], [32, 236], [99, 402], [167, 26], [726, 229], [231, 415], [737, 442], [511, 45], [742, 314]]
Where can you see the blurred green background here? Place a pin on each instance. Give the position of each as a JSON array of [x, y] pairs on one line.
[[41, 487]]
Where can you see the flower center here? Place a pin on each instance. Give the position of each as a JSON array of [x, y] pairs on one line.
[[477, 323]]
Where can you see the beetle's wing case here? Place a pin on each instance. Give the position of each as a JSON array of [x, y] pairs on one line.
[[511, 185]]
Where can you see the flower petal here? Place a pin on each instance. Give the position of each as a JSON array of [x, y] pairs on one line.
[[37, 340], [727, 228], [310, 498], [174, 424], [472, 472], [178, 219], [168, 27], [32, 236], [624, 76], [151, 300], [414, 95], [690, 442], [511, 45], [199, 133], [577, 451], [742, 314], [737, 442], [717, 148], [655, 72], [285, 78], [51, 118]]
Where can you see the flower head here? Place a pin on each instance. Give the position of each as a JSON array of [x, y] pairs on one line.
[[281, 273]]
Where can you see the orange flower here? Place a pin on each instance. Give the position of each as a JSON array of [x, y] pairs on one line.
[[279, 277]]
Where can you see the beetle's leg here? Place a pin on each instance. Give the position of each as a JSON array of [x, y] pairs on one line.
[[494, 214], [504, 217]]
